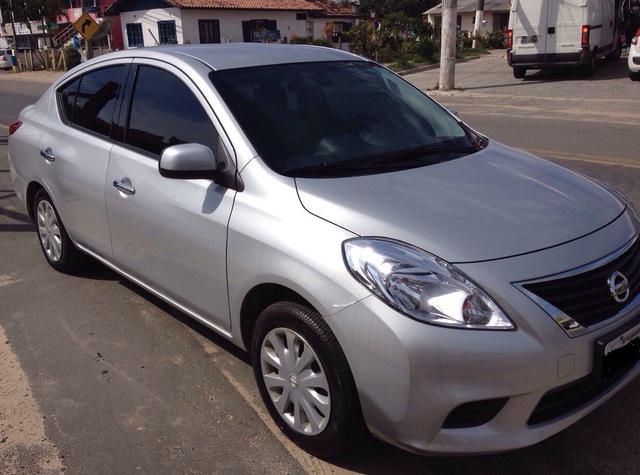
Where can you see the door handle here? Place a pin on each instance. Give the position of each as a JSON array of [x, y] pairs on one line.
[[551, 30], [124, 186], [48, 155]]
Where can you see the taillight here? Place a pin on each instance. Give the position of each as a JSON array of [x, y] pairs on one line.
[[15, 126], [509, 39], [586, 32]]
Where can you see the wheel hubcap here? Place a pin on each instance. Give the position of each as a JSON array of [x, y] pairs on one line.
[[296, 381], [49, 231]]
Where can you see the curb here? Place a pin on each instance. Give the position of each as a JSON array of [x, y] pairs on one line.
[[429, 67]]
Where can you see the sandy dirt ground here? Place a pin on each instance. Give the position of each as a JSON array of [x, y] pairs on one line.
[[24, 447]]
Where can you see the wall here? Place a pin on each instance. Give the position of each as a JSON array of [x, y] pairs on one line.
[[149, 19]]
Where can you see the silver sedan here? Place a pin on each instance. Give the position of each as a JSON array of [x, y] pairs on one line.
[[389, 269]]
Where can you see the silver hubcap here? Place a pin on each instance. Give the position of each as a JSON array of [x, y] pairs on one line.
[[49, 231], [296, 381]]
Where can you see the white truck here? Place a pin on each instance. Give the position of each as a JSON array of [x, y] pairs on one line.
[[551, 33]]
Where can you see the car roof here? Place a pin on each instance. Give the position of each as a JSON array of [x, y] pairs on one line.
[[241, 55]]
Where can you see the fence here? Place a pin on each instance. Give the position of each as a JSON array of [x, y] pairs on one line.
[[51, 59]]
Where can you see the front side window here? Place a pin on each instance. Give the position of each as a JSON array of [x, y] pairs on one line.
[[134, 35], [167, 32], [339, 119], [165, 112], [96, 99]]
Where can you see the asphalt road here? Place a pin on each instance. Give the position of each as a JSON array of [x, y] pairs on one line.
[[124, 383]]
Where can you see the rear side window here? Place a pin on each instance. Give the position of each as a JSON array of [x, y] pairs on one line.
[[165, 112], [96, 99], [67, 98]]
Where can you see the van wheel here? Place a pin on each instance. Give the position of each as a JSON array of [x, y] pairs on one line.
[[305, 380], [589, 69], [54, 241], [519, 73], [634, 76]]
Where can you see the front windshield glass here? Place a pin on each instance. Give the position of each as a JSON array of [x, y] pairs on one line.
[[339, 119]]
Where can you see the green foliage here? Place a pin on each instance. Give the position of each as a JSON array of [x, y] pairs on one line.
[[34, 10], [364, 40], [299, 40], [382, 8], [495, 40]]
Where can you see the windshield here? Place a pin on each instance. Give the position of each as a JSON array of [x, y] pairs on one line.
[[339, 119]]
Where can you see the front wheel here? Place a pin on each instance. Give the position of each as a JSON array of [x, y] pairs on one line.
[[634, 76], [519, 73], [305, 380]]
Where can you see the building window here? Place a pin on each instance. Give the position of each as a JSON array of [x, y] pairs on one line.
[[167, 32], [134, 35], [209, 31], [310, 28]]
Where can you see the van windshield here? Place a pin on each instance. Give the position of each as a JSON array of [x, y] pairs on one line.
[[331, 119]]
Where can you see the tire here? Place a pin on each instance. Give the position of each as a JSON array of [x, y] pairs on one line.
[[341, 426], [589, 69], [57, 248], [634, 76], [519, 73]]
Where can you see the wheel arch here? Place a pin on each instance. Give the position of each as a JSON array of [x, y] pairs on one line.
[[32, 191], [260, 297]]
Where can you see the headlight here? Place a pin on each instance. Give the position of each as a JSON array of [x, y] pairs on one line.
[[421, 285]]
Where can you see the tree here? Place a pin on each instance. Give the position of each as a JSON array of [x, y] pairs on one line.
[[382, 8]]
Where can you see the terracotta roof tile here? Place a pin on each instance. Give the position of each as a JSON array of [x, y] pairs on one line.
[[333, 9], [306, 5]]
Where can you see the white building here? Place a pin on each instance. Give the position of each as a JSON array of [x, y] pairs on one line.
[[496, 14], [153, 22]]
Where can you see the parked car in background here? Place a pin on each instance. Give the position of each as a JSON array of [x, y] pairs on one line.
[[634, 57], [385, 265], [6, 62], [569, 33]]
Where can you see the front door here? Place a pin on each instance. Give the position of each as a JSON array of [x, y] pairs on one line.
[[169, 233], [75, 145]]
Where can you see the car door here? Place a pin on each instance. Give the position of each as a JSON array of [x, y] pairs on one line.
[[75, 146], [530, 28], [169, 233], [565, 28]]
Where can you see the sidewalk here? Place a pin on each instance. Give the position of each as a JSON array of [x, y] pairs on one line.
[[44, 77]]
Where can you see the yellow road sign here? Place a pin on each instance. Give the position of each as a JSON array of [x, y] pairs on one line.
[[86, 26]]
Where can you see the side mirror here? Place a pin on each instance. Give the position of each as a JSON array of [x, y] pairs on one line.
[[188, 161]]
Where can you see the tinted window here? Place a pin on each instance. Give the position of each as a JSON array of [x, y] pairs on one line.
[[164, 112], [339, 118], [67, 98], [96, 99]]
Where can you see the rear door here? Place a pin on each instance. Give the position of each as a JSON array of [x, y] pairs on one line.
[[75, 147], [529, 28], [564, 27]]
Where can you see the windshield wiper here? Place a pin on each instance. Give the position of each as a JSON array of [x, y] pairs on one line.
[[322, 169], [418, 154]]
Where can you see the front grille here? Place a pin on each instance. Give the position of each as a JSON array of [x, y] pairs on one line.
[[586, 297]]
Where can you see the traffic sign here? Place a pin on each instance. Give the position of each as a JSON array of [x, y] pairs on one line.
[[86, 26]]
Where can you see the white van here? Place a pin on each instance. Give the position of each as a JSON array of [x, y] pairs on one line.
[[550, 33]]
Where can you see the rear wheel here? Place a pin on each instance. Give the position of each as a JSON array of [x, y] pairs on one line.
[[305, 380], [589, 69], [55, 243], [519, 73]]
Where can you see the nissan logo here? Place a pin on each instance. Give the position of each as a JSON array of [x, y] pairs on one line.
[[619, 287]]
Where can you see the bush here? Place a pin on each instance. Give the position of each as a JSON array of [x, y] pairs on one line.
[[425, 49], [495, 40], [298, 40], [322, 42], [71, 57]]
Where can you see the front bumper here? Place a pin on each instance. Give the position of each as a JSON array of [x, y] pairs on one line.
[[634, 59], [411, 376]]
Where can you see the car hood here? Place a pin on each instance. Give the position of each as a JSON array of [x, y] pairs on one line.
[[493, 204]]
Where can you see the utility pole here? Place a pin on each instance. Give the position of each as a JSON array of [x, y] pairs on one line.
[[448, 46], [477, 27], [15, 39]]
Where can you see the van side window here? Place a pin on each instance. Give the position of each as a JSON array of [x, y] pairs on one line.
[[165, 112], [67, 98], [96, 99]]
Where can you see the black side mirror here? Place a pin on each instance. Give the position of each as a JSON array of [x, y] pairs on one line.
[[197, 161]]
